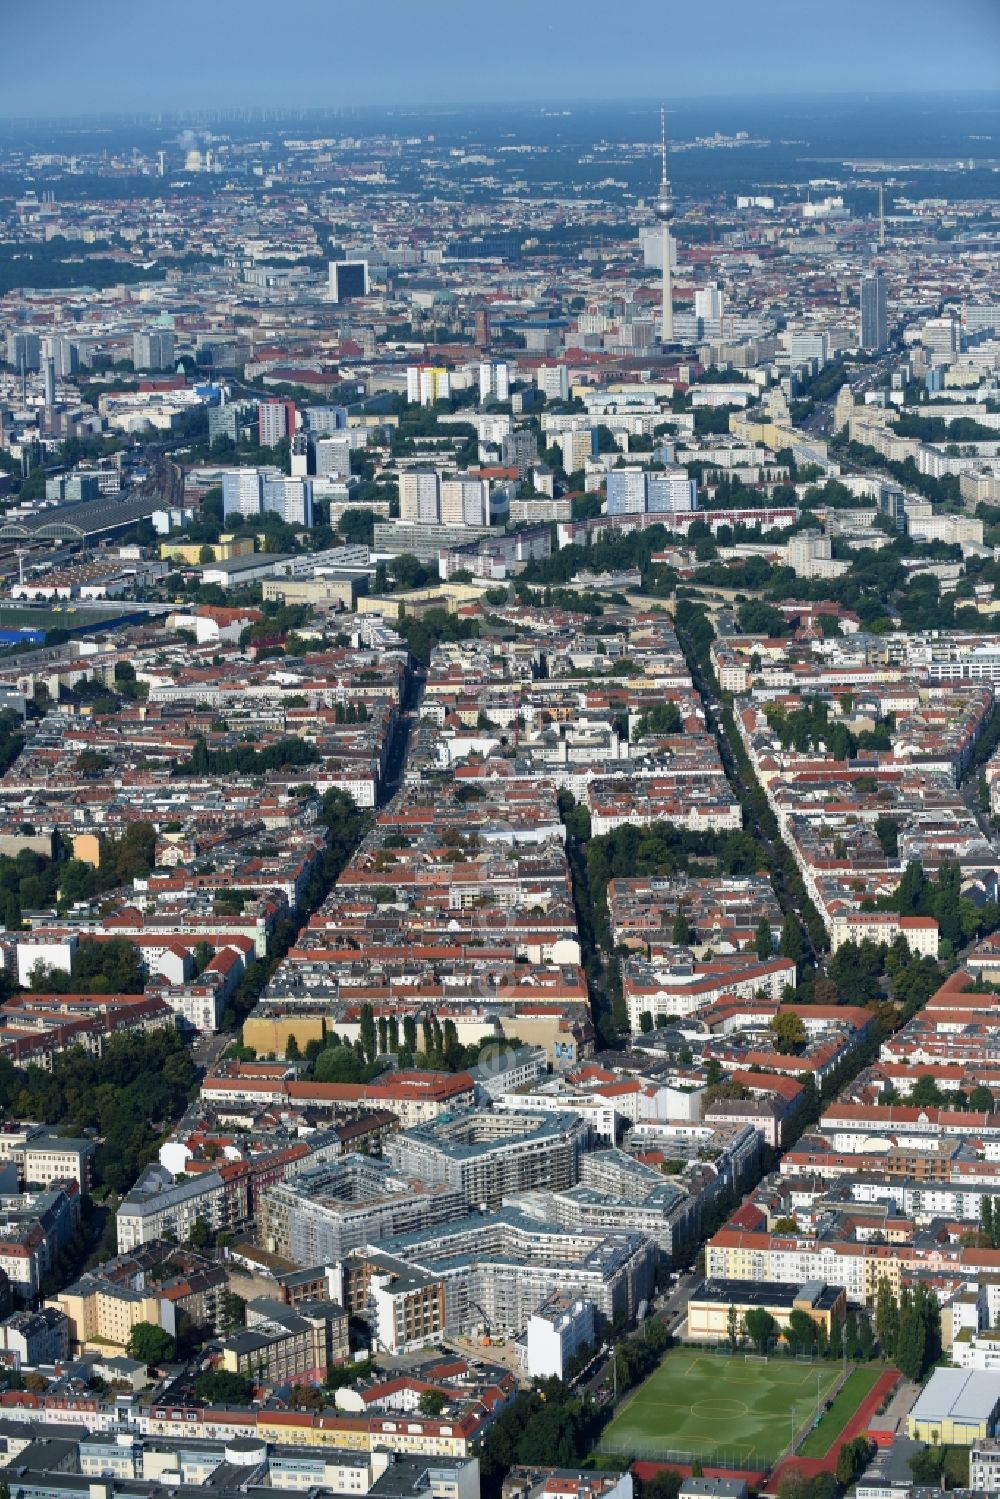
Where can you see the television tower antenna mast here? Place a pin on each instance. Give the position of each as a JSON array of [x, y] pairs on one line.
[[664, 210]]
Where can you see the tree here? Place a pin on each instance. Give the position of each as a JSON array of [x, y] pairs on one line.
[[201, 1235], [835, 1347], [77, 882], [680, 932], [733, 1328], [234, 1311], [220, 1387], [788, 1031], [150, 1344], [981, 1099], [666, 1484], [800, 1333], [367, 1033], [661, 719], [927, 1464], [791, 939], [292, 1052], [763, 941], [911, 1348], [761, 1327], [431, 1403], [925, 1092], [844, 1471]]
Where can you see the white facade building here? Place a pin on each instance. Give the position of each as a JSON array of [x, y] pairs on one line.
[[561, 1326]]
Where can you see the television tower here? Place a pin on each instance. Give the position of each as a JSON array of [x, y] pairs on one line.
[[664, 210]]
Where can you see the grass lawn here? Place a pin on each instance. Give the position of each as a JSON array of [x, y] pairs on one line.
[[822, 1437], [718, 1406]]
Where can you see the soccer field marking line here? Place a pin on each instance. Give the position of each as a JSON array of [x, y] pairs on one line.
[[783, 1381], [713, 1409]]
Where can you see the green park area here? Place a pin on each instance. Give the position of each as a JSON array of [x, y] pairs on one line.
[[856, 1388], [720, 1407]]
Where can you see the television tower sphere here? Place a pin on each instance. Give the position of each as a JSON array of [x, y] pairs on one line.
[[664, 208]]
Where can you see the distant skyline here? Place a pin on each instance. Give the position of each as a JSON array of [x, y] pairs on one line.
[[107, 56]]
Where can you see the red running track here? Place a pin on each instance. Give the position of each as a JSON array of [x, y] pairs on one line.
[[856, 1424]]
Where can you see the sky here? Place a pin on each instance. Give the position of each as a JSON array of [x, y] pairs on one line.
[[106, 56]]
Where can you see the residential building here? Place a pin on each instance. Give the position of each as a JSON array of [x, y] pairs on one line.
[[426, 384], [464, 502], [280, 1345], [553, 381], [561, 1328], [420, 496], [486, 1156]]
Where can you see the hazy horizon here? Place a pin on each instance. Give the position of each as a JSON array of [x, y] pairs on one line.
[[115, 57]]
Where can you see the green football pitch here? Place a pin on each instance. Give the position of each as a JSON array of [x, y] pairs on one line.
[[719, 1406]]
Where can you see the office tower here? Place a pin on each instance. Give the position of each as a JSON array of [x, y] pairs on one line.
[[708, 305], [50, 382], [223, 421], [803, 347], [664, 210], [290, 498], [465, 502], [636, 334], [64, 354], [24, 352], [482, 327], [519, 449], [892, 502], [153, 350], [979, 317], [348, 278], [333, 457], [874, 312], [161, 163], [940, 337], [419, 495], [325, 419], [494, 380], [241, 491], [881, 216], [73, 489], [427, 383], [553, 381]]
